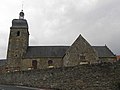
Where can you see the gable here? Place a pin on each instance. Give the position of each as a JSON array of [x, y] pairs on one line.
[[81, 46], [80, 51]]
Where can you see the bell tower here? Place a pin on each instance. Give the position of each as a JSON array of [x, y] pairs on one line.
[[18, 41]]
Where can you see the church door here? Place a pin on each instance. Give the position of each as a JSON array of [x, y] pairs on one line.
[[34, 64]]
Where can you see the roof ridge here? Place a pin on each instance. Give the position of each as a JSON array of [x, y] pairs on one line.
[[48, 46]]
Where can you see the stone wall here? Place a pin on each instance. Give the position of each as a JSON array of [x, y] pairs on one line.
[[83, 77], [17, 46], [80, 51], [42, 62], [107, 59]]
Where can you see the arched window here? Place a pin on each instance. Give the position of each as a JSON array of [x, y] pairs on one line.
[[18, 33], [34, 64], [50, 63]]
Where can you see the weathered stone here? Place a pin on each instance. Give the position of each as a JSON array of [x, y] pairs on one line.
[[79, 53], [83, 77]]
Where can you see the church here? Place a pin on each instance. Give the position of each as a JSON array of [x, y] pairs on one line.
[[21, 56]]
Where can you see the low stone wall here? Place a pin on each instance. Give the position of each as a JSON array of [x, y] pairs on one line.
[[84, 77]]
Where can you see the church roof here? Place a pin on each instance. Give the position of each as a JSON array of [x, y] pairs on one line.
[[45, 51], [103, 51], [59, 51], [2, 62]]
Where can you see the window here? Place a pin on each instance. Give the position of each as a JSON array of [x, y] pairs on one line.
[[18, 33], [82, 56], [50, 64], [34, 64]]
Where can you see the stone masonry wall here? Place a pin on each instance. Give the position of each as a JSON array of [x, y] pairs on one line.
[[42, 62], [80, 51], [17, 46], [84, 77]]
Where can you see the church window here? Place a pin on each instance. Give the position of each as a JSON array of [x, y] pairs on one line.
[[18, 33], [34, 64], [50, 64], [82, 56]]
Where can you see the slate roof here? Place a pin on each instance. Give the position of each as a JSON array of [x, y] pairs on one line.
[[103, 51], [2, 62], [45, 51], [19, 23], [59, 51]]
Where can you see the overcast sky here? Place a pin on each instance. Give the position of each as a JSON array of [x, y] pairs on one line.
[[59, 22]]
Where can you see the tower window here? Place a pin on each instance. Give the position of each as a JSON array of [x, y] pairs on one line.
[[18, 33]]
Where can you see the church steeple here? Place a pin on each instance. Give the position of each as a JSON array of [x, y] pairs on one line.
[[21, 22], [21, 15], [18, 41]]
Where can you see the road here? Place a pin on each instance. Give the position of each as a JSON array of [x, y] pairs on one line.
[[5, 87]]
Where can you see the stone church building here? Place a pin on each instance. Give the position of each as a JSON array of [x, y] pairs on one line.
[[21, 56]]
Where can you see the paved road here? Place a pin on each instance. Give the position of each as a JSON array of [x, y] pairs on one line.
[[4, 87]]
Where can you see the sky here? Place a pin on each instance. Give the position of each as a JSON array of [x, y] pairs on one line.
[[60, 22]]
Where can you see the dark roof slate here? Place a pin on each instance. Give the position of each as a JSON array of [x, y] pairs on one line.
[[45, 51], [103, 51], [19, 23], [59, 51], [2, 62]]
